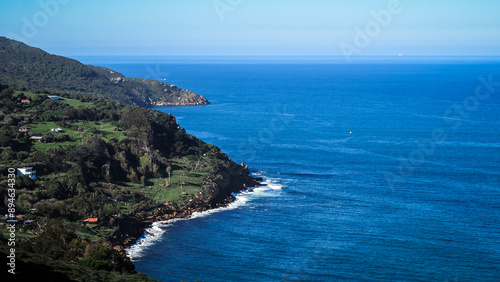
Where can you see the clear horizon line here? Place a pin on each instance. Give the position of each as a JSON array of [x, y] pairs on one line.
[[339, 56]]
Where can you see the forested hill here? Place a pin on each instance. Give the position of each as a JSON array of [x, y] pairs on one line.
[[99, 172], [24, 67]]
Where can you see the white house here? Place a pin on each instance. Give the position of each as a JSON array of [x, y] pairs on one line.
[[27, 171], [56, 129], [23, 129], [36, 138]]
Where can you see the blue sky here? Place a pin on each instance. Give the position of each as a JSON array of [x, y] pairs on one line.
[[254, 27]]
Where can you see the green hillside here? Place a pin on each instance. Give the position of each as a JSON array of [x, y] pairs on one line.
[[126, 166], [27, 68]]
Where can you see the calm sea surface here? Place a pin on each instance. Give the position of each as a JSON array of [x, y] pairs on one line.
[[378, 170]]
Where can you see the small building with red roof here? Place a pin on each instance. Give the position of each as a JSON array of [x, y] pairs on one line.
[[91, 220]]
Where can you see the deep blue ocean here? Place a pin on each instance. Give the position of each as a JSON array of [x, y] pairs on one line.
[[378, 170]]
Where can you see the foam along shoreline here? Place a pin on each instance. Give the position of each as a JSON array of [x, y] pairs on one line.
[[155, 233]]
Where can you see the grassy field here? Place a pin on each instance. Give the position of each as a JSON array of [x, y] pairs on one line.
[[77, 131], [72, 102], [185, 184], [88, 235], [76, 103], [42, 147]]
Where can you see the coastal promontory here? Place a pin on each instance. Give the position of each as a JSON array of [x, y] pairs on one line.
[[32, 69]]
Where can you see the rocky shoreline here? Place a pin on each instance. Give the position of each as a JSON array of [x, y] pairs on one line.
[[236, 178], [189, 102]]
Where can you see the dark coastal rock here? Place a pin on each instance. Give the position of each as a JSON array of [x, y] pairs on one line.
[[225, 180]]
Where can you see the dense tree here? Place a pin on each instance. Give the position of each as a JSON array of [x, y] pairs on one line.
[[82, 177]]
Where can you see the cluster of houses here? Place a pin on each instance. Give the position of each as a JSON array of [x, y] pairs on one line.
[[27, 101], [28, 171], [24, 129], [17, 218], [21, 218]]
